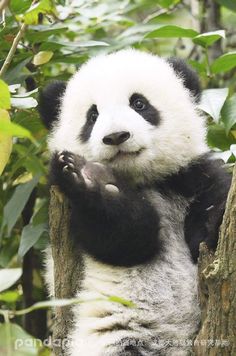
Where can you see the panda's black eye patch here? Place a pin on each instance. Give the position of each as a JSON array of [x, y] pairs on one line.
[[142, 106], [91, 116]]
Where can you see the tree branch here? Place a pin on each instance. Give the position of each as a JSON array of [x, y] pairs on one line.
[[67, 266], [3, 5], [12, 51], [14, 46], [217, 288], [211, 21]]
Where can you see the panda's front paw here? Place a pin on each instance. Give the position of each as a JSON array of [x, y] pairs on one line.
[[72, 173], [71, 166], [65, 170]]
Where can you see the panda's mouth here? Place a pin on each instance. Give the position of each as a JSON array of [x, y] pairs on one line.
[[125, 155]]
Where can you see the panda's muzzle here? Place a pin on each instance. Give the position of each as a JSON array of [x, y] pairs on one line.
[[116, 138]]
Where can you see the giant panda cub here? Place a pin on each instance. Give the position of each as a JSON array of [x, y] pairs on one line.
[[128, 150]]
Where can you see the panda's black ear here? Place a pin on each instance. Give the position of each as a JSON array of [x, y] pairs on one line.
[[188, 75], [50, 101]]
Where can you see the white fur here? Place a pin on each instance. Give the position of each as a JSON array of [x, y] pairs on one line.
[[49, 272], [108, 81]]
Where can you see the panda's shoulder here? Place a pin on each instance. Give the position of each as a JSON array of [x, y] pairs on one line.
[[199, 175]]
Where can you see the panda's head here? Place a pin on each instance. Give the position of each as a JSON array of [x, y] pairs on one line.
[[131, 110]]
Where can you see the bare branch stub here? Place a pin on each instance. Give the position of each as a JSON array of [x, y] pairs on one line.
[[67, 265]]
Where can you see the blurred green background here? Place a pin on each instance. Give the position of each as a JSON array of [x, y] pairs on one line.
[[45, 40]]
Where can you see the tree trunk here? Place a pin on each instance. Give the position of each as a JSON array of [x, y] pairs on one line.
[[67, 267], [217, 288], [211, 22]]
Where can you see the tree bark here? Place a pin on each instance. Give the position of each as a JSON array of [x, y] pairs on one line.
[[211, 22], [217, 288], [67, 267]]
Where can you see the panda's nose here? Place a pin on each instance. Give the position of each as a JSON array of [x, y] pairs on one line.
[[116, 138]]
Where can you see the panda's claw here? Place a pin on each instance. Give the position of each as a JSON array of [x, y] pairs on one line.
[[75, 176], [71, 166], [65, 169], [61, 158], [70, 159]]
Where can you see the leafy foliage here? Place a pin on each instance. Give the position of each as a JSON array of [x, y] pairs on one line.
[[57, 37]]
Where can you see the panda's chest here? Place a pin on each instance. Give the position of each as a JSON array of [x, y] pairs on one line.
[[164, 290]]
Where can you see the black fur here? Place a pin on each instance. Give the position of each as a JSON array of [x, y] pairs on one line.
[[122, 229], [49, 102], [88, 126], [149, 113], [207, 183], [189, 76], [119, 229]]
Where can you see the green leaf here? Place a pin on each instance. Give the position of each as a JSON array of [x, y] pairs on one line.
[[8, 277], [137, 30], [11, 129], [212, 102], [208, 38], [40, 215], [122, 301], [5, 141], [15, 341], [233, 150], [18, 7], [24, 103], [4, 96], [14, 75], [198, 66], [26, 94], [52, 304], [30, 235], [16, 204], [224, 63], [42, 57], [228, 113], [14, 87], [8, 252], [217, 138], [167, 3], [172, 31], [230, 4], [32, 14], [10, 296], [83, 44], [41, 34], [65, 302]]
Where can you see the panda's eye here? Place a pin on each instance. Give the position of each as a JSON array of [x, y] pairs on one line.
[[138, 104], [92, 114]]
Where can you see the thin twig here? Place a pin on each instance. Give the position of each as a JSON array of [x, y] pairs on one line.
[[160, 12], [3, 5], [13, 48], [12, 51]]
